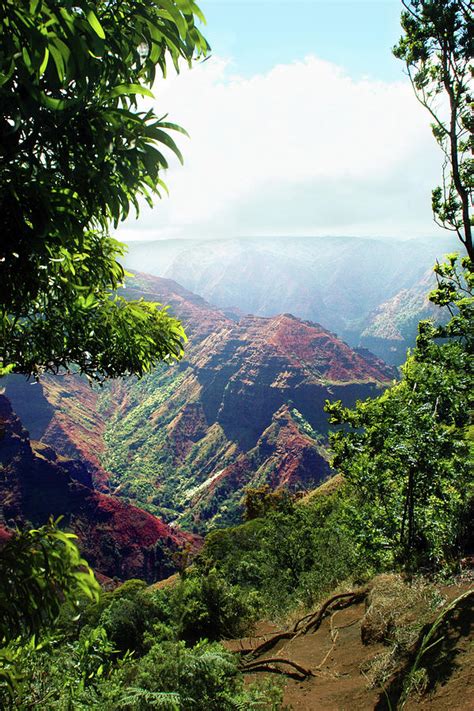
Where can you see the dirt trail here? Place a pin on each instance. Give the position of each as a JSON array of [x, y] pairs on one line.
[[335, 654], [337, 657]]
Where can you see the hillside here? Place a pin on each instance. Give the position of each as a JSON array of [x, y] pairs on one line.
[[118, 540], [306, 276], [62, 412], [244, 408], [392, 327], [361, 652], [188, 439]]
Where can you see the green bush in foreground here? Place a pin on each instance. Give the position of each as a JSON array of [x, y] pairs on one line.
[[140, 648], [406, 454], [289, 558]]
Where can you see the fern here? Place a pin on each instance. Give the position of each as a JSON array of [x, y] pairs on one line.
[[209, 662], [138, 698]]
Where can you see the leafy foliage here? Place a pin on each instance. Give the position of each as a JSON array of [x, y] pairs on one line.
[[69, 77], [455, 289], [204, 677], [77, 153], [124, 652], [38, 569], [209, 607], [289, 557], [406, 452], [261, 500], [438, 52]]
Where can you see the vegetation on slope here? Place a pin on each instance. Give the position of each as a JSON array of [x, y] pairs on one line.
[[244, 408], [289, 553], [118, 540]]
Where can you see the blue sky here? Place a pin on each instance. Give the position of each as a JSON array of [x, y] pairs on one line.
[[353, 34], [301, 123]]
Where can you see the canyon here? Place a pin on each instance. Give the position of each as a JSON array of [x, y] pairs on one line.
[[244, 408]]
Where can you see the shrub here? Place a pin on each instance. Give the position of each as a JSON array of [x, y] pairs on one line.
[[208, 607]]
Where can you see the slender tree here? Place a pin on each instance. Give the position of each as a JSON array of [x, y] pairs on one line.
[[437, 47], [405, 453]]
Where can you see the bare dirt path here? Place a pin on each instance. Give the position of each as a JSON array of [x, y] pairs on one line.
[[337, 658], [335, 654]]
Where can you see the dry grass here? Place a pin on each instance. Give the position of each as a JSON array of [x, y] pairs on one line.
[[396, 611], [327, 488]]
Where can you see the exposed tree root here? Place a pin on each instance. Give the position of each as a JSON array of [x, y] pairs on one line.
[[268, 665], [310, 623], [265, 646], [307, 624]]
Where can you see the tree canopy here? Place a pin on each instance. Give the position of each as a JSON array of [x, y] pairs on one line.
[[76, 154], [40, 570], [406, 453]]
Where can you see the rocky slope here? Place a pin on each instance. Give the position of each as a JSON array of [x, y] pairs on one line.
[[243, 408], [62, 412], [337, 281], [116, 538], [392, 327]]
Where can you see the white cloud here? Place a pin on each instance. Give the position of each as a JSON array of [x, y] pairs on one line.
[[302, 149]]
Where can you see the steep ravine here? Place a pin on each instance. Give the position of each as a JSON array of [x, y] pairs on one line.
[[243, 408], [118, 540]]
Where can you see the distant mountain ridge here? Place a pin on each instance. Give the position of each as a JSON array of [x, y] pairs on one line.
[[245, 407], [336, 281], [393, 326]]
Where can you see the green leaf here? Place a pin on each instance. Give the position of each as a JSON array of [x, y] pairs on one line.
[[58, 62], [168, 141], [7, 75], [95, 24], [44, 63], [26, 57], [129, 90], [174, 127], [176, 16], [52, 103]]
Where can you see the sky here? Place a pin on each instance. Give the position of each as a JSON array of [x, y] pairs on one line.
[[301, 123]]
